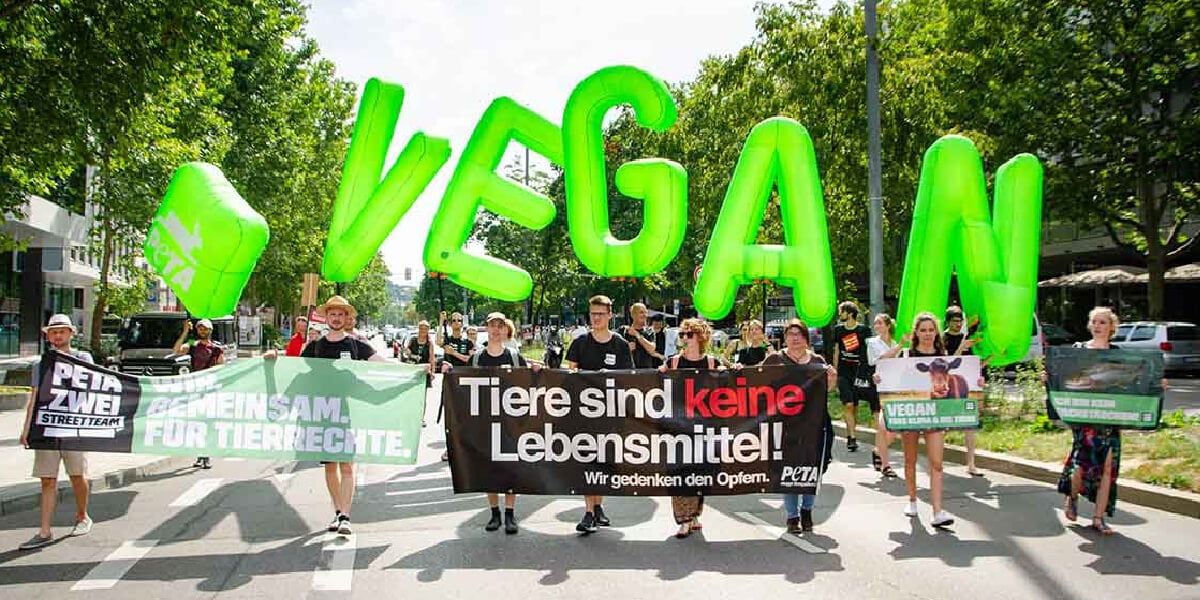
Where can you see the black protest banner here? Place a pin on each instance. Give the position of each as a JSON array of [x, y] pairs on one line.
[[636, 433], [81, 406]]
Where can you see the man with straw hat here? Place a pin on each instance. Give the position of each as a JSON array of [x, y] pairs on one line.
[[338, 344], [59, 331]]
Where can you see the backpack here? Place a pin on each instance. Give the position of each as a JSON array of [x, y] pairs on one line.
[[512, 359]]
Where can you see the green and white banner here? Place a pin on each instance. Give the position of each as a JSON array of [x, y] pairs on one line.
[[930, 393], [286, 408], [1120, 388]]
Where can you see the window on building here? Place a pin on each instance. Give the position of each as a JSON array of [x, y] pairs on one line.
[[52, 259], [79, 298]]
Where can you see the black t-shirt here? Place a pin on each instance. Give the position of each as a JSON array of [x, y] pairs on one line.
[[461, 345], [953, 340], [750, 355], [851, 346], [590, 355], [419, 350], [660, 346], [484, 359], [641, 358], [347, 347]]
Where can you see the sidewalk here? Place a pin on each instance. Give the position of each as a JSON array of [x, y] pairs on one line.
[[19, 491]]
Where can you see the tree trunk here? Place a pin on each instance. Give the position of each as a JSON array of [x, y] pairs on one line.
[[1156, 267], [101, 304]]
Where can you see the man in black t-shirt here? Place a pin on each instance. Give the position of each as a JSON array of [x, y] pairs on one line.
[[457, 345], [641, 340], [599, 349], [337, 345], [849, 352], [956, 338], [495, 354]]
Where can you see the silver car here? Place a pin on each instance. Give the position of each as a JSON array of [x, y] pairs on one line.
[[1179, 342]]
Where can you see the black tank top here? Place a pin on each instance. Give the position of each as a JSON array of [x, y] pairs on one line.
[[681, 362]]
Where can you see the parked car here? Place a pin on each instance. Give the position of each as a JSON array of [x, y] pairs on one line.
[[1179, 342], [147, 343]]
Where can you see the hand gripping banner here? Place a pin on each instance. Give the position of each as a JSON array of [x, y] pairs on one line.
[[636, 433]]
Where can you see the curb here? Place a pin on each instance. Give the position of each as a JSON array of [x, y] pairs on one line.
[[1136, 492], [28, 496]]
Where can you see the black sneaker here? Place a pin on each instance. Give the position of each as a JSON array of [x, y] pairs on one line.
[[806, 524], [335, 523], [207, 463], [793, 525], [852, 444], [587, 524], [510, 523], [344, 525], [494, 523], [601, 518], [199, 464]]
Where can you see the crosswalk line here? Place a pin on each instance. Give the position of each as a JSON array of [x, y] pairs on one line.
[[197, 492], [114, 566], [781, 533], [419, 491], [335, 569]]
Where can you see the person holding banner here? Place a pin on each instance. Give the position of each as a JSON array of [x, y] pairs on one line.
[[59, 330], [1095, 458], [797, 350], [599, 349], [926, 340], [497, 354], [641, 341], [881, 345], [205, 354], [338, 344], [696, 336]]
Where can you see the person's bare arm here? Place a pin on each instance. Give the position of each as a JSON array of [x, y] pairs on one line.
[[28, 418], [180, 344], [835, 355]]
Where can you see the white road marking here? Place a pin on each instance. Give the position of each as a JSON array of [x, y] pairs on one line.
[[420, 491], [284, 477], [197, 492], [781, 533], [446, 501], [335, 569], [114, 566], [234, 459]]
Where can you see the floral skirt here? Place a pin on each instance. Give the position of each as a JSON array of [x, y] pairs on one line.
[[1089, 448], [686, 508]]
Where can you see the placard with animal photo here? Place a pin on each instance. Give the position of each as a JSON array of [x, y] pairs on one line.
[[1121, 388], [940, 392]]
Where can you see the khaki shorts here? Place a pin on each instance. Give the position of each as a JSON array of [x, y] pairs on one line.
[[45, 462]]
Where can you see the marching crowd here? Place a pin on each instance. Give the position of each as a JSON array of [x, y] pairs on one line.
[[1090, 468]]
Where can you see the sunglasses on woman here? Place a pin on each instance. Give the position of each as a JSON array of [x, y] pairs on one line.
[[686, 334]]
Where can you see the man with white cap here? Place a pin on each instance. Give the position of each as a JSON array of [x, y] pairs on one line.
[[337, 344], [59, 331], [205, 354]]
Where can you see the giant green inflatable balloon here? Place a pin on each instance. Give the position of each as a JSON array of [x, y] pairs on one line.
[[994, 257], [661, 183], [476, 185], [204, 240], [367, 210], [778, 152]]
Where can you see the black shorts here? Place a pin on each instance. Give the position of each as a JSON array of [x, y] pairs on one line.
[[845, 385]]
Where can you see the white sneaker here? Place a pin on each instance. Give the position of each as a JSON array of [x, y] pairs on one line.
[[910, 509], [83, 527], [942, 519]]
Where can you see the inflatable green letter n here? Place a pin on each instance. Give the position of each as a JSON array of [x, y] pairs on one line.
[[662, 184], [994, 259], [475, 184], [778, 151], [367, 210]]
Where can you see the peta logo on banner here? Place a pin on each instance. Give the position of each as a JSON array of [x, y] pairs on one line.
[[799, 476], [85, 403]]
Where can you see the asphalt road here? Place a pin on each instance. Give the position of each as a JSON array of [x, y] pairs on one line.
[[255, 529]]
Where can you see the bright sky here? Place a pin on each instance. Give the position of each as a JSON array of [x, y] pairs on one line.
[[454, 57]]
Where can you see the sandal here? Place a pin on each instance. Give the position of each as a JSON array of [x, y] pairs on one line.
[[888, 472], [1100, 526], [685, 529], [876, 461], [1072, 508]]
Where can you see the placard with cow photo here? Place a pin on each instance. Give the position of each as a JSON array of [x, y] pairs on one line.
[[940, 392], [1120, 388]]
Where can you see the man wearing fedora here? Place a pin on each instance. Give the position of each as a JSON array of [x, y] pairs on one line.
[[337, 344], [59, 331], [205, 354]]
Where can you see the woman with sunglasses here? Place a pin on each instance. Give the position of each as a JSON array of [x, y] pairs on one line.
[[695, 336], [798, 351]]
